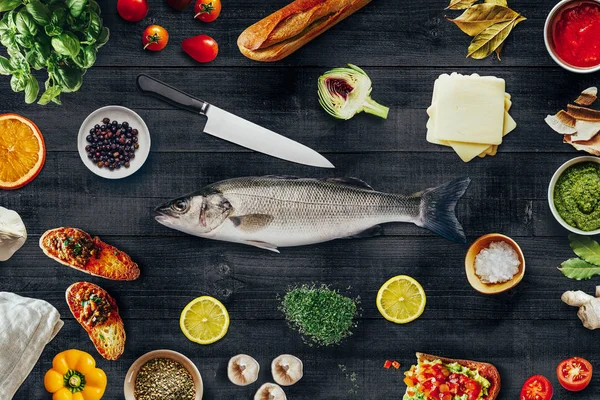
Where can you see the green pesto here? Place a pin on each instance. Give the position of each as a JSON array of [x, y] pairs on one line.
[[577, 196]]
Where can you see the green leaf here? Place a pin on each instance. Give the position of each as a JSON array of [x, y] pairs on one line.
[[49, 95], [66, 44], [59, 17], [35, 60], [32, 90], [482, 16], [24, 41], [89, 56], [460, 4], [39, 12], [53, 30], [18, 82], [586, 248], [94, 7], [93, 29], [8, 5], [576, 268], [491, 38], [76, 7], [25, 23], [102, 37], [70, 78], [5, 67]]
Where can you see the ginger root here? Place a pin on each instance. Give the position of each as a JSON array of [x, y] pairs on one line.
[[589, 306]]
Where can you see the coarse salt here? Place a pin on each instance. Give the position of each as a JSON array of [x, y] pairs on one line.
[[497, 263]]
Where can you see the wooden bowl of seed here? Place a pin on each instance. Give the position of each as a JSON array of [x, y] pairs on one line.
[[163, 375]]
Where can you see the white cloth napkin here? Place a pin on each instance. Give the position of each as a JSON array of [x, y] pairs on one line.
[[26, 327]]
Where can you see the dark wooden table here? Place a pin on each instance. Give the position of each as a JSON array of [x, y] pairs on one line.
[[404, 46]]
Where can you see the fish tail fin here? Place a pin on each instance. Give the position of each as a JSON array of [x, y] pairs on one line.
[[437, 209]]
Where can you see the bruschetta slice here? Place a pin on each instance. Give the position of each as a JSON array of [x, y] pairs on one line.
[[77, 249], [98, 313], [445, 378]]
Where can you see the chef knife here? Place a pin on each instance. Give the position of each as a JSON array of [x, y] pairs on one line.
[[232, 128]]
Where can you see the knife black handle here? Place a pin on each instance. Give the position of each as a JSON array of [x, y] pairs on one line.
[[152, 86]]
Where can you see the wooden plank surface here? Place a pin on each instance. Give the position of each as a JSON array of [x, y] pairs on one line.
[[403, 46]]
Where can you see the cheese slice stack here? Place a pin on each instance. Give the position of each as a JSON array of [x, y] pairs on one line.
[[469, 114]]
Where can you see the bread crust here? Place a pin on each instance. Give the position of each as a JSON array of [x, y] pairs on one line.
[[111, 263], [488, 371], [286, 30], [109, 336]]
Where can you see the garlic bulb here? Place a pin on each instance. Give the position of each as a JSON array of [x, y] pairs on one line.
[[242, 370], [12, 233], [287, 369], [270, 391]]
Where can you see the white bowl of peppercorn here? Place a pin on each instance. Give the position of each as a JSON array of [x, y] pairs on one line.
[[163, 375], [113, 142]]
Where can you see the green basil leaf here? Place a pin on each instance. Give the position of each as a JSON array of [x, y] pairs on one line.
[[89, 56], [5, 67], [32, 89], [43, 50], [9, 40], [586, 248], [76, 7], [24, 41], [18, 61], [10, 19], [18, 82], [94, 6], [102, 37], [39, 12], [70, 78], [59, 17], [576, 268], [35, 59], [49, 95], [53, 30], [25, 23], [66, 44], [8, 5], [94, 28]]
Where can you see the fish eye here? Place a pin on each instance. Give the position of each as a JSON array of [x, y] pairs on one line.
[[180, 205]]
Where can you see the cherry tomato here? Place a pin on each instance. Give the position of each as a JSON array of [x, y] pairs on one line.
[[132, 10], [574, 374], [536, 387], [201, 48], [155, 38], [207, 10]]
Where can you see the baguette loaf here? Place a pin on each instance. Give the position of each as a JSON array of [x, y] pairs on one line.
[[488, 371], [286, 30]]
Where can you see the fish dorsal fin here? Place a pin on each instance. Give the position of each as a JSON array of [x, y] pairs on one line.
[[376, 230], [251, 222], [350, 182], [281, 177]]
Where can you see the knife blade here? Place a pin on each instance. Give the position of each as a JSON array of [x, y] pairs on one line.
[[232, 128]]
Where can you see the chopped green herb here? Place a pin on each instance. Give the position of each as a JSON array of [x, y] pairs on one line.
[[101, 336], [321, 315], [77, 249], [116, 253]]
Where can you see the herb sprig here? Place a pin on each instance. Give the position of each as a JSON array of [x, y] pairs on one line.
[[587, 262]]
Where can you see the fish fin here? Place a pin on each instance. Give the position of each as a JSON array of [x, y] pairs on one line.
[[281, 176], [376, 230], [350, 182], [262, 245], [251, 222], [437, 209]]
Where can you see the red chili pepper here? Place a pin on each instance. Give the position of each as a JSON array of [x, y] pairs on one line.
[[387, 364], [396, 364]]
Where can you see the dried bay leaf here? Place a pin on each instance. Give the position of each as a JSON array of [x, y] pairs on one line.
[[483, 16], [586, 248], [502, 3], [492, 38], [460, 4]]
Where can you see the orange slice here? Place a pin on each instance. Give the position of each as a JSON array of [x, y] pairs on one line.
[[22, 151]]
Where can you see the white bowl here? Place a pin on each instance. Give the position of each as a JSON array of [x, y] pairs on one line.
[[115, 113], [552, 184], [131, 376], [548, 30]]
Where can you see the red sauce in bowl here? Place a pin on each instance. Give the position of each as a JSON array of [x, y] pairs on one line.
[[576, 35]]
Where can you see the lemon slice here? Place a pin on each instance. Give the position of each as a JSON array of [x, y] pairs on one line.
[[401, 299], [204, 320]]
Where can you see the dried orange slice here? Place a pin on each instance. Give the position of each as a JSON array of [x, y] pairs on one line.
[[22, 151]]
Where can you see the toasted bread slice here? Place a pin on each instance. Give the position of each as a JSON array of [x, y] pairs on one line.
[[98, 314], [488, 371], [77, 249]]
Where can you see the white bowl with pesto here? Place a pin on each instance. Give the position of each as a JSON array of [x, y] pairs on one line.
[[552, 185]]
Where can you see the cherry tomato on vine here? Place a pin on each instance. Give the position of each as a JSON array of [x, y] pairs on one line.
[[155, 38], [132, 10], [201, 48], [574, 374], [537, 387], [207, 10]]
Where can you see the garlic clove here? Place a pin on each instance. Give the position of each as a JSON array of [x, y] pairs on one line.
[[270, 391], [242, 370], [287, 369]]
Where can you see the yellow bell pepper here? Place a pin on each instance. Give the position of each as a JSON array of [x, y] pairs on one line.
[[74, 376]]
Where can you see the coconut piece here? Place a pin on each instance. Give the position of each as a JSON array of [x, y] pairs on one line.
[[287, 369], [585, 130], [270, 391], [588, 96], [566, 118], [591, 146], [558, 126], [583, 113], [242, 370]]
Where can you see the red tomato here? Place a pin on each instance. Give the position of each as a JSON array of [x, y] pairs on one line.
[[574, 374], [207, 10], [132, 10], [536, 387], [201, 48], [155, 38]]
